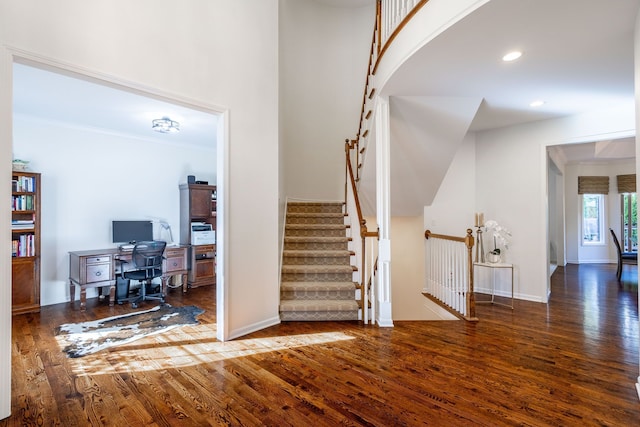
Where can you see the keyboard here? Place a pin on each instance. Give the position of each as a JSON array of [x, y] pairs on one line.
[[125, 248]]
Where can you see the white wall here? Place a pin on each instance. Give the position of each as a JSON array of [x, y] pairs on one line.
[[323, 68], [511, 180], [503, 173], [408, 272], [606, 253], [90, 178], [555, 185], [636, 73], [217, 52], [454, 206]]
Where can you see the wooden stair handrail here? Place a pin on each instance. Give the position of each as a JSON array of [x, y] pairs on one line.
[[354, 188], [375, 54], [364, 232], [396, 31]]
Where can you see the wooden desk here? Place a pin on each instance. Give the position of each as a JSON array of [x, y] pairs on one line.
[[99, 268]]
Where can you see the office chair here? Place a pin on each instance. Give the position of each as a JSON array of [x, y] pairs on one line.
[[147, 260], [623, 257]]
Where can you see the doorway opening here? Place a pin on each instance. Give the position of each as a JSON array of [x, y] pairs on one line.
[[91, 136]]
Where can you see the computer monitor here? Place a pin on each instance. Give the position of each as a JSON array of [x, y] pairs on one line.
[[132, 231]]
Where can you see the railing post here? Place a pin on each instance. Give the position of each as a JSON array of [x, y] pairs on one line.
[[346, 172], [471, 297], [363, 283]]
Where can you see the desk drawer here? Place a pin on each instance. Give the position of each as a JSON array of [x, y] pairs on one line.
[[176, 263], [98, 260], [98, 272]]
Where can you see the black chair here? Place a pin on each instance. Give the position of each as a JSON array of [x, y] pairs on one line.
[[147, 260], [623, 257]]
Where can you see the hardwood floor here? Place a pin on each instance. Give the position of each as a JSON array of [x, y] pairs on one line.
[[571, 362]]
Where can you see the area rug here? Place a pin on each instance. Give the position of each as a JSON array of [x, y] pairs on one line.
[[81, 339]]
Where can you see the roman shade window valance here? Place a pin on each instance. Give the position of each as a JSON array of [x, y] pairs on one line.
[[593, 185], [626, 183]]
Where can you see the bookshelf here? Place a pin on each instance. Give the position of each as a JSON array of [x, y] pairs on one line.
[[25, 242]]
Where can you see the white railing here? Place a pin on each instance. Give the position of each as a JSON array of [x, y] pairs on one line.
[[449, 273], [362, 244], [393, 14]]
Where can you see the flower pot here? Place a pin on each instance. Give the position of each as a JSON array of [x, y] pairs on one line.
[[493, 258]]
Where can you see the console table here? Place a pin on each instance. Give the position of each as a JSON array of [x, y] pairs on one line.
[[494, 267], [99, 268]]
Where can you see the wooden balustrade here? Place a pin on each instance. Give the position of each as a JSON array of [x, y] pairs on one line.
[[449, 273], [359, 231], [391, 17]]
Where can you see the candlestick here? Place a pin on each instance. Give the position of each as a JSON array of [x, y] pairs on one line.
[[479, 246]]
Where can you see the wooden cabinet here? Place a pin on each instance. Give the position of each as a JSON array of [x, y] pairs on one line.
[[25, 242], [175, 264], [203, 266], [91, 269], [198, 205]]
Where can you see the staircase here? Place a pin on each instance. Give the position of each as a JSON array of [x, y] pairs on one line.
[[317, 275]]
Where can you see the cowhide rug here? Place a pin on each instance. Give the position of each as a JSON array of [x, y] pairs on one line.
[[86, 338]]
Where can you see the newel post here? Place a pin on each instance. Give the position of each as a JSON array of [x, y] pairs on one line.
[[471, 298]]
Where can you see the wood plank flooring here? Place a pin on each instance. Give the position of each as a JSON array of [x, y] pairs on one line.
[[573, 362]]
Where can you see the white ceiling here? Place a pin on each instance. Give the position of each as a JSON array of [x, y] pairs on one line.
[[79, 102], [346, 3], [578, 56]]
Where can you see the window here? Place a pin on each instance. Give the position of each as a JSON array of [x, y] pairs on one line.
[[629, 222], [592, 219]]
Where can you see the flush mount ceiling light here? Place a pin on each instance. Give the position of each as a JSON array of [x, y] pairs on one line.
[[538, 103], [512, 56], [165, 125]]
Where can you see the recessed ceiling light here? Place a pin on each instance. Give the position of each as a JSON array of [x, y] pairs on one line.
[[512, 56], [537, 103]]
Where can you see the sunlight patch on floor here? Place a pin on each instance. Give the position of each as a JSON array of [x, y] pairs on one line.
[[189, 346]]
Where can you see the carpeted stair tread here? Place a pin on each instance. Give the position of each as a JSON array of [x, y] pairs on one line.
[[316, 215], [319, 305], [316, 253], [316, 227], [317, 286], [315, 218], [316, 273], [310, 203], [315, 207], [318, 316], [314, 269], [316, 239]]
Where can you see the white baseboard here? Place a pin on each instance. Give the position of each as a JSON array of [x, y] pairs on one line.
[[254, 327]]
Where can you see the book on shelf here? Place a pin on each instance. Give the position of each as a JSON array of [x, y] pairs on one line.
[[23, 246], [24, 184], [22, 226], [22, 203]]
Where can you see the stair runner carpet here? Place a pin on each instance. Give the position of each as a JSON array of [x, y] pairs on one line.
[[317, 275]]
